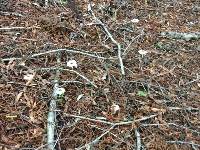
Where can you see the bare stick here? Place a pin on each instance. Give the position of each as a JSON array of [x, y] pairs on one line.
[[195, 80], [99, 22], [181, 35], [188, 108], [96, 140], [137, 134], [128, 47], [82, 76], [71, 50], [51, 123], [183, 142], [15, 28], [90, 119], [172, 124], [11, 14], [111, 123], [137, 120]]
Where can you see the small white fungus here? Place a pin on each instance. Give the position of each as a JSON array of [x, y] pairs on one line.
[[60, 91], [135, 20], [72, 64], [142, 52]]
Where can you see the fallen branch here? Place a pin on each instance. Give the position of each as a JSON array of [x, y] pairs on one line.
[[99, 22], [171, 124], [73, 71], [111, 123], [183, 142], [89, 145], [183, 36], [51, 122], [11, 14], [128, 48], [16, 28], [137, 134], [71, 50]]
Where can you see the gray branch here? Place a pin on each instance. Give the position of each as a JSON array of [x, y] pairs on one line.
[[183, 36]]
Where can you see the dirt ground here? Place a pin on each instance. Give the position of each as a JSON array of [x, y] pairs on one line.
[[154, 105]]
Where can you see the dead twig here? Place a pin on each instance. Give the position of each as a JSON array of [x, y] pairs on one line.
[[195, 80], [137, 134], [11, 14], [73, 71], [89, 145], [99, 22], [51, 121], [183, 36], [16, 28], [171, 124], [70, 50], [111, 123], [184, 142]]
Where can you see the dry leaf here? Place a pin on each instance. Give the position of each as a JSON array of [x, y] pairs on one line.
[[32, 117], [11, 64], [79, 97], [18, 97], [29, 78]]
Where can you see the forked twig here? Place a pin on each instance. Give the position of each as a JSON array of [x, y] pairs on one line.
[[99, 22]]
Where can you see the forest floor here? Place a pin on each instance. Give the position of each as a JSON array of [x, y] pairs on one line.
[[154, 104]]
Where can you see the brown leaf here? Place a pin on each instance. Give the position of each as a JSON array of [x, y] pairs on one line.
[[18, 96]]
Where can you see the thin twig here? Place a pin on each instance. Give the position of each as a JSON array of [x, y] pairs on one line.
[[71, 50], [99, 22], [90, 119], [188, 108], [16, 28], [73, 71], [172, 124], [96, 140], [128, 47], [11, 14], [195, 80], [137, 120], [111, 123], [68, 82], [183, 142]]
